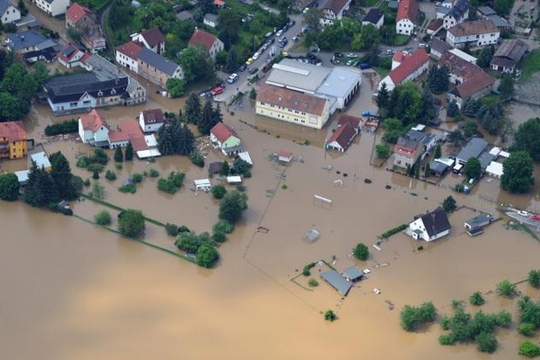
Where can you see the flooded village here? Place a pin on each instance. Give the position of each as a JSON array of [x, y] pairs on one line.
[[73, 289]]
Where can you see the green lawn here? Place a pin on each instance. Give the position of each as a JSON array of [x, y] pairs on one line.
[[530, 65], [383, 72], [401, 40]]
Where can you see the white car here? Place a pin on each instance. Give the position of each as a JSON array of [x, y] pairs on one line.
[[389, 52], [232, 78], [422, 45], [255, 56], [523, 213], [279, 33]]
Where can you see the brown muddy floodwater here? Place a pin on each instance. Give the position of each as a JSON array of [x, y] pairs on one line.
[[74, 291]]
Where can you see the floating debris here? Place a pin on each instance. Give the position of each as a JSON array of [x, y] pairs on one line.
[[377, 247], [390, 304]]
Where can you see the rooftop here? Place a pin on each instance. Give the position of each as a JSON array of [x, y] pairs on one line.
[[479, 220], [459, 66], [513, 49], [201, 37], [12, 130], [354, 121], [407, 9], [337, 281], [76, 12], [353, 273], [439, 46], [477, 82], [25, 39], [297, 75], [291, 99], [4, 5], [41, 159], [157, 61], [93, 121], [436, 222], [343, 135], [409, 65], [473, 28], [153, 36], [406, 146], [459, 9], [153, 116], [222, 131], [339, 82], [131, 49], [336, 5], [486, 10], [473, 149], [373, 16]]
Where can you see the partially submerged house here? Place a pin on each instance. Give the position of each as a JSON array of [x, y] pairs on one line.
[[430, 226], [224, 138], [473, 148], [13, 141], [32, 45], [341, 138], [354, 121], [85, 22], [475, 226], [353, 274], [93, 129], [285, 156], [337, 281], [407, 152], [151, 120]]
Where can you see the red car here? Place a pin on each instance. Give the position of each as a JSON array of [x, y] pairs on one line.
[[216, 91], [535, 217]]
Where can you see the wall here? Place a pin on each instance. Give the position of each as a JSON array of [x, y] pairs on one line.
[[12, 14], [127, 62], [292, 116]]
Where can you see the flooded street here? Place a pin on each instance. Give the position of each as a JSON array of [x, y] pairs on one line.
[[75, 291]]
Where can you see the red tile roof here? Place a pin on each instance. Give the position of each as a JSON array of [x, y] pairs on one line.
[[222, 132], [354, 121], [12, 130], [290, 99], [129, 130], [153, 116], [477, 82], [473, 28], [343, 135], [68, 52], [131, 49], [409, 65], [201, 37], [407, 9], [93, 121], [76, 12], [285, 154], [459, 66], [435, 24], [337, 5], [406, 147], [153, 36], [219, 3]]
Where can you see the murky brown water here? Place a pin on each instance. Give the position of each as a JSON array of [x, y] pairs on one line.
[[73, 291]]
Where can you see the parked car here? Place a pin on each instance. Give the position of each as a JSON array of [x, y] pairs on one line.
[[305, 10], [351, 55], [523, 213], [249, 61], [294, 39], [338, 54], [242, 68], [253, 70], [304, 29], [367, 113], [350, 62], [292, 23], [255, 56], [216, 91], [282, 44], [389, 52], [279, 33], [423, 45], [232, 78], [363, 66]]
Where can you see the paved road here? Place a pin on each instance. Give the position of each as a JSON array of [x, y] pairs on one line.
[[49, 22]]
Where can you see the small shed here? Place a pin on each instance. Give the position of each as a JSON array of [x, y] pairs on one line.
[[214, 168], [478, 221], [353, 274], [203, 184], [285, 156], [337, 281], [438, 168], [234, 180], [22, 176], [495, 169]]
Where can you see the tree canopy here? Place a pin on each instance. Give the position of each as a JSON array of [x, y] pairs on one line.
[[232, 205], [518, 172], [131, 223], [527, 138], [9, 187]]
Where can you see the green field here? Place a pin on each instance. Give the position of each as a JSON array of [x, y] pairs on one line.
[[530, 65]]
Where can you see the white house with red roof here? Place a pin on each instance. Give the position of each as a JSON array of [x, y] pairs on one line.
[[223, 137], [334, 10], [406, 67], [127, 55], [93, 129], [341, 138], [152, 39], [151, 120], [211, 43], [70, 56], [354, 121], [79, 16], [406, 17]]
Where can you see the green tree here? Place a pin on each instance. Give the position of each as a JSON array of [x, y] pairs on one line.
[[192, 109], [361, 252], [470, 127], [207, 255], [506, 87], [171, 229], [131, 223], [176, 87], [312, 19], [329, 316], [223, 226], [413, 317], [518, 173], [232, 61], [9, 187], [438, 151], [453, 109], [486, 342], [98, 190], [393, 130], [207, 118], [427, 171], [129, 152], [219, 191], [438, 79], [476, 299], [103, 218], [229, 22], [503, 7], [241, 167], [62, 176], [529, 349], [118, 155], [225, 169], [473, 169], [232, 205], [383, 99], [506, 288], [253, 94], [189, 242], [534, 278], [196, 64], [110, 175], [196, 158], [382, 150], [527, 138], [40, 189], [527, 329], [74, 34], [484, 59]]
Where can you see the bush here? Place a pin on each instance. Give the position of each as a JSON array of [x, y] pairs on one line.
[[207, 255], [188, 242], [413, 317], [477, 299], [65, 127], [103, 218], [131, 223], [306, 271], [313, 283], [447, 339], [394, 231], [367, 181], [232, 205], [329, 316], [486, 342], [449, 204], [196, 158], [506, 288], [223, 226], [118, 166], [153, 173], [219, 191], [137, 178], [534, 278], [132, 189], [219, 237], [361, 252], [526, 329], [95, 168], [529, 349], [172, 183], [86, 183], [382, 150], [110, 175], [171, 229]]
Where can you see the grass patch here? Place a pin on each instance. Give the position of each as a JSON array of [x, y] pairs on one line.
[[400, 40], [383, 72], [530, 65], [524, 228]]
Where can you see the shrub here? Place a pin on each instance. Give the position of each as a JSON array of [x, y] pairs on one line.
[[95, 168], [447, 339], [172, 183], [413, 317], [137, 178], [207, 255], [132, 189], [219, 237], [306, 271], [223, 226], [284, 187], [86, 183], [153, 173], [367, 181], [534, 278], [83, 161], [382, 150], [118, 166], [110, 175], [103, 218], [313, 283], [131, 223], [188, 242], [171, 229], [394, 231], [449, 204], [477, 299], [65, 127], [529, 349], [183, 229], [506, 288], [361, 252], [486, 342], [219, 191], [329, 316], [196, 158], [526, 329]]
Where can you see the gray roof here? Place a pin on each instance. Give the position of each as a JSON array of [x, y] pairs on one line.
[[479, 220], [512, 49], [4, 5], [436, 222], [459, 9], [211, 17], [337, 281], [184, 15], [486, 10], [373, 16], [298, 76], [485, 159], [353, 273], [473, 149], [25, 39], [157, 61], [392, 4], [421, 137], [442, 10], [437, 167], [339, 82], [499, 21], [439, 46]]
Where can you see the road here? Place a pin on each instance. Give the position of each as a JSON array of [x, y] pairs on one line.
[[49, 22], [528, 220]]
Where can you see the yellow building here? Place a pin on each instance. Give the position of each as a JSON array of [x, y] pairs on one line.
[[13, 142], [292, 106]]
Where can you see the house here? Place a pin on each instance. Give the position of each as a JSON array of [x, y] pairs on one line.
[[224, 138], [13, 142], [285, 156], [374, 17], [203, 184], [219, 4], [438, 48], [459, 69], [211, 43], [8, 12], [336, 280], [475, 33], [158, 69], [79, 16], [52, 7], [495, 169], [474, 148], [434, 27], [438, 169], [406, 17], [406, 67], [478, 221], [292, 106], [508, 55], [352, 274], [92, 37], [478, 86], [103, 85], [127, 132], [152, 39], [430, 226], [26, 41], [484, 12], [184, 15], [41, 160], [354, 121], [501, 24], [334, 10], [428, 141], [70, 56], [151, 120], [341, 138], [93, 129], [457, 14], [127, 55], [406, 152], [210, 20]]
